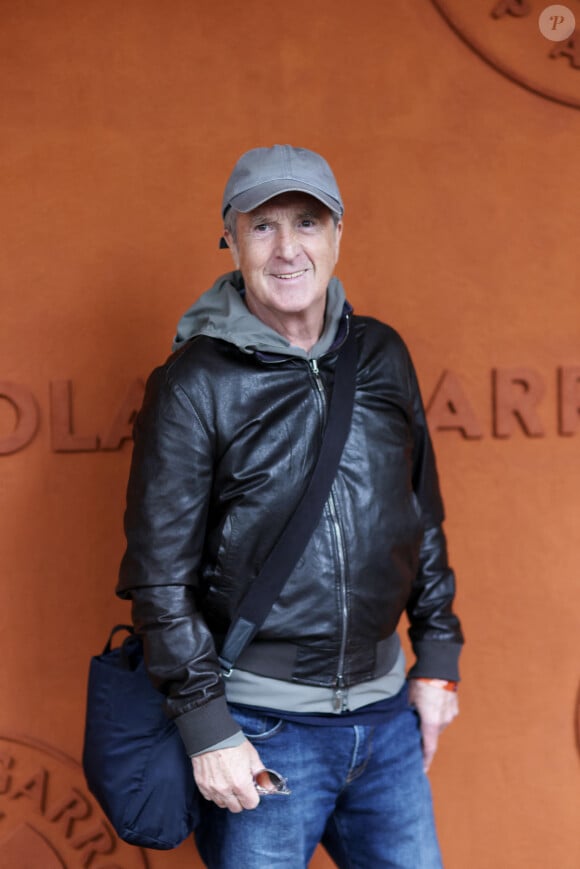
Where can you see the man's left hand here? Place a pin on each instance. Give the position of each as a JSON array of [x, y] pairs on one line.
[[437, 707]]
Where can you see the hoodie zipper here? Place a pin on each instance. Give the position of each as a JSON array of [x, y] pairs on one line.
[[340, 695]]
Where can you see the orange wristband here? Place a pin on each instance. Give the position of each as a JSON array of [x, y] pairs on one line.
[[441, 683]]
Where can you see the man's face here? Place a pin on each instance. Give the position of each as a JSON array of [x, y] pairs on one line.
[[286, 249]]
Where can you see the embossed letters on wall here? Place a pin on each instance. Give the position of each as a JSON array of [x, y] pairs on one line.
[[523, 402], [63, 437], [48, 819], [507, 35]]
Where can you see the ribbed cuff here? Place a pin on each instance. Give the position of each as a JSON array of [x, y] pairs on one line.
[[436, 659], [230, 742], [204, 727]]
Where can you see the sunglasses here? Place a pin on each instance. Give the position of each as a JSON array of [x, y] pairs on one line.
[[268, 781]]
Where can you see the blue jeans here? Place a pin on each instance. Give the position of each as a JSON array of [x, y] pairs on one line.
[[359, 789]]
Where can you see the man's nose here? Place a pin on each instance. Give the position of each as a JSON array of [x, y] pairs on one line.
[[287, 244]]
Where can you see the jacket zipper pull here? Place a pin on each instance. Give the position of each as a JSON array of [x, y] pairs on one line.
[[339, 699], [314, 366]]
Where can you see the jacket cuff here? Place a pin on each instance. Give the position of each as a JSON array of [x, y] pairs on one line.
[[205, 726], [231, 742], [436, 659]]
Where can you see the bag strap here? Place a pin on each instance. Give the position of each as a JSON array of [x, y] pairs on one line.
[[283, 558], [128, 628]]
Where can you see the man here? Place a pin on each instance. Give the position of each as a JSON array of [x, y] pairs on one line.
[[225, 442]]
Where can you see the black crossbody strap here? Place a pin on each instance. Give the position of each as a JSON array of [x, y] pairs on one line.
[[284, 557]]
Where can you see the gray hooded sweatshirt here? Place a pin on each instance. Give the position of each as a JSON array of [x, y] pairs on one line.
[[222, 313]]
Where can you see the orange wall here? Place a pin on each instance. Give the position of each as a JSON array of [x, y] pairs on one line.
[[119, 124]]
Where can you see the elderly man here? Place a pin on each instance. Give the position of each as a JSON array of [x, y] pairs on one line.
[[225, 442]]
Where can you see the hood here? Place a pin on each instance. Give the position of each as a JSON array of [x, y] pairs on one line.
[[222, 313]]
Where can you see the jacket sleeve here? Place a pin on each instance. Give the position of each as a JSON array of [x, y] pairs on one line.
[[165, 519], [435, 630]]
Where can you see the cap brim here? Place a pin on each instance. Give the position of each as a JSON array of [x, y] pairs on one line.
[[250, 199]]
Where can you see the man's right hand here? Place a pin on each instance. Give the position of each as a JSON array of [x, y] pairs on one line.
[[226, 776]]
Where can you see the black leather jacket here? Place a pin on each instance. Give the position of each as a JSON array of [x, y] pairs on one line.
[[224, 444]]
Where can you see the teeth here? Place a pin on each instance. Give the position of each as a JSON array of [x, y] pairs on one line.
[[291, 275]]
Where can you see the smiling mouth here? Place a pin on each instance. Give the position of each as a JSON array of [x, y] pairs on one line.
[[290, 275]]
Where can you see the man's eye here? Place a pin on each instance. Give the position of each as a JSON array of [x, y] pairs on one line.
[[262, 227], [308, 222]]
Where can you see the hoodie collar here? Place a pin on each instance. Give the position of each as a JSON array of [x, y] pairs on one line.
[[221, 313]]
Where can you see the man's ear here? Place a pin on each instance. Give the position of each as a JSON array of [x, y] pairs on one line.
[[233, 247], [338, 236]]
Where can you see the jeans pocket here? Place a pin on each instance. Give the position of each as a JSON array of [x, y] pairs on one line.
[[257, 726]]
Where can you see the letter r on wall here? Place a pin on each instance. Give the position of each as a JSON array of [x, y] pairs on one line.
[[516, 394]]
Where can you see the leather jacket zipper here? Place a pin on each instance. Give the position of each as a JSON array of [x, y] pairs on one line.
[[316, 372], [340, 695], [339, 701]]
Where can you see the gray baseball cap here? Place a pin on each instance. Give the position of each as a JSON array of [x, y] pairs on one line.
[[263, 173]]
